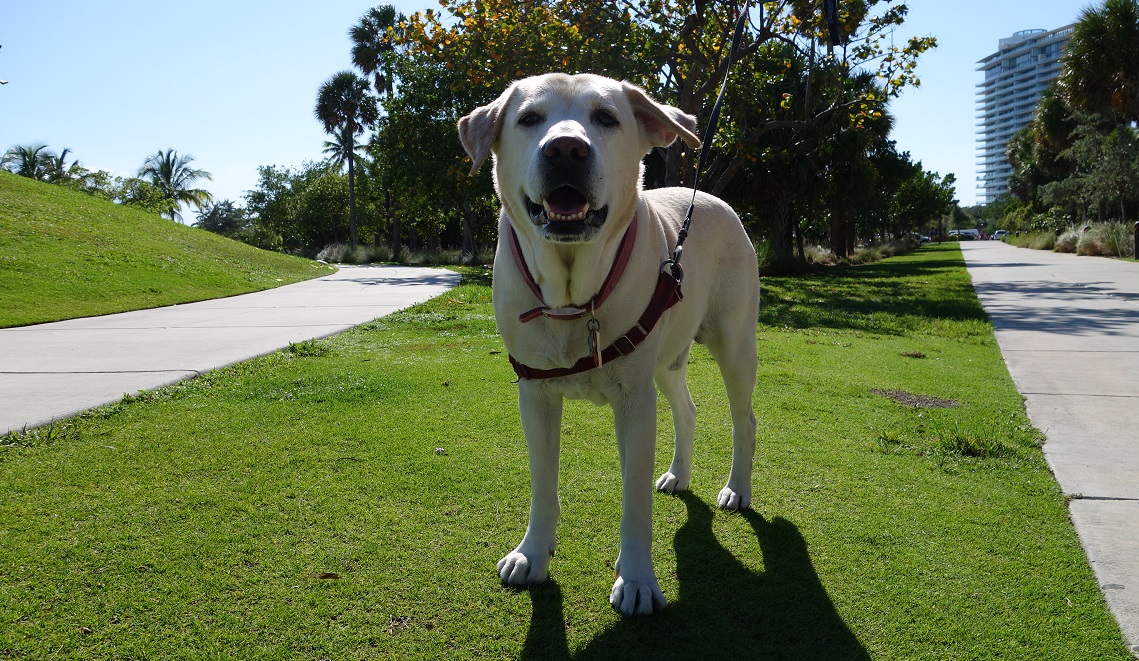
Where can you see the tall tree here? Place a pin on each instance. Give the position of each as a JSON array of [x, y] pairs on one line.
[[678, 49], [850, 173], [1101, 63], [372, 46], [346, 109], [1039, 152], [173, 176], [373, 53], [697, 32]]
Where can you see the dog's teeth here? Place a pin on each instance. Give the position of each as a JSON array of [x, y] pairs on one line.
[[565, 218], [580, 215], [552, 215]]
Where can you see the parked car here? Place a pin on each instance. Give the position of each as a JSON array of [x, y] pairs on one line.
[[999, 235]]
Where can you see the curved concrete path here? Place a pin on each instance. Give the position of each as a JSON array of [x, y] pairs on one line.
[[53, 371], [1068, 328]]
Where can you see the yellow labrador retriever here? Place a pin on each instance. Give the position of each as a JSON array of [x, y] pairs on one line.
[[576, 276]]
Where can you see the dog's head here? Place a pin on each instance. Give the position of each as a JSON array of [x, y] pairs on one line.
[[568, 149]]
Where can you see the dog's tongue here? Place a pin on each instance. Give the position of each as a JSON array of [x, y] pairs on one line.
[[565, 201]]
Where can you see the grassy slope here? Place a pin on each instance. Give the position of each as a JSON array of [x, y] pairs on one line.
[[65, 254], [879, 530]]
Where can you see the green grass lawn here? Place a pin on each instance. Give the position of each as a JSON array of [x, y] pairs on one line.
[[65, 254], [347, 499]]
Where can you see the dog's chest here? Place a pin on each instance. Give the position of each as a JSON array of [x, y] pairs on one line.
[[558, 343]]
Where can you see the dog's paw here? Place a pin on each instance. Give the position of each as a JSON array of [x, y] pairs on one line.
[[637, 597], [731, 499], [671, 483], [520, 570]]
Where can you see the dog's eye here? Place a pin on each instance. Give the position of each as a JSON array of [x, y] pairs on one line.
[[605, 118], [530, 119]]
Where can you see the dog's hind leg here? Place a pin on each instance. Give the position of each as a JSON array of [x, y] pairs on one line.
[[673, 384], [735, 353], [541, 412]]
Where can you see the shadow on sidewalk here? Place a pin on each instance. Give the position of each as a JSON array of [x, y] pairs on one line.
[[1009, 309], [375, 275]]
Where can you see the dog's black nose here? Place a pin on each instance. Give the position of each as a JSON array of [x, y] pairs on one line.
[[566, 150]]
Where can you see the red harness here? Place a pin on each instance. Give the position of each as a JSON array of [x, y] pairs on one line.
[[666, 295]]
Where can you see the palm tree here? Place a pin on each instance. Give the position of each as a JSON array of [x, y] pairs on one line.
[[372, 48], [31, 161], [336, 150], [172, 175], [1101, 62], [59, 170], [371, 45], [346, 108]]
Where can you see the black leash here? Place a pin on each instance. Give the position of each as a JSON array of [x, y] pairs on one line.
[[709, 131]]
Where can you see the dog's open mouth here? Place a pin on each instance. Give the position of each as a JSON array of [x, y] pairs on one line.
[[565, 208]]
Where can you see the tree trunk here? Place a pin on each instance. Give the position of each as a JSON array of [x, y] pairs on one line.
[[838, 233], [469, 247], [799, 241], [396, 238], [351, 192], [781, 229]]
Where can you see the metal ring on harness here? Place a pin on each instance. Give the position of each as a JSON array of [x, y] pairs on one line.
[[676, 270]]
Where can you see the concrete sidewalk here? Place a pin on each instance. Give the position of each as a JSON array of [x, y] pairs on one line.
[[1068, 328], [53, 371]]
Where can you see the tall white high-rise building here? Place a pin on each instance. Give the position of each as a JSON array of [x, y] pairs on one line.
[[1015, 78]]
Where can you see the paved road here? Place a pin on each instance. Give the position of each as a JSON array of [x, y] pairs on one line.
[[52, 371], [1068, 328]]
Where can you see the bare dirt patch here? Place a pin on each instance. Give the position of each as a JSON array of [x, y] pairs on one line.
[[917, 401]]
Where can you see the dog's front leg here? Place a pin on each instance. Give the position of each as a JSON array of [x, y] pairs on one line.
[[636, 591], [541, 412]]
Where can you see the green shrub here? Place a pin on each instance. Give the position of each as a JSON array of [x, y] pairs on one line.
[[1036, 240], [1017, 220]]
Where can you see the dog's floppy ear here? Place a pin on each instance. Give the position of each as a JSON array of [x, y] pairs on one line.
[[479, 130], [661, 124]]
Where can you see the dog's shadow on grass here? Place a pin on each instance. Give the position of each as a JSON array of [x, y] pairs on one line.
[[724, 609]]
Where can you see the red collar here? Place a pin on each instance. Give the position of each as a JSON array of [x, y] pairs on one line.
[[624, 251]]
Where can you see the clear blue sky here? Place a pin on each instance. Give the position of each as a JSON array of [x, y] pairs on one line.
[[234, 83]]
